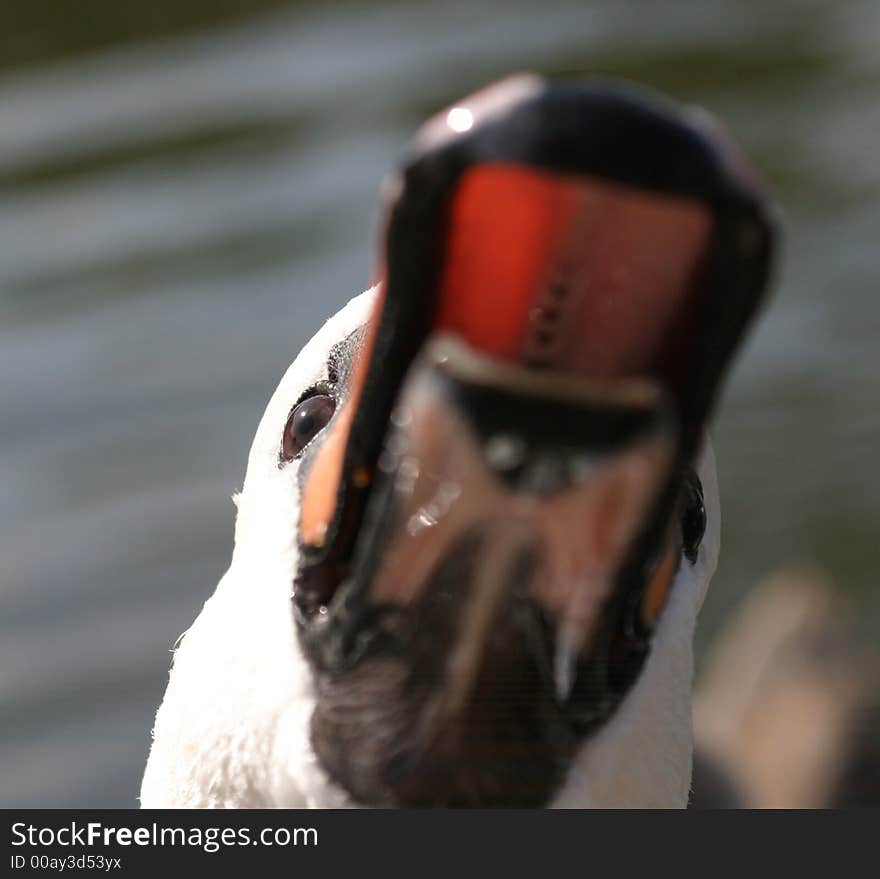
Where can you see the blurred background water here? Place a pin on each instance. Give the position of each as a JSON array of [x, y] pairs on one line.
[[187, 189]]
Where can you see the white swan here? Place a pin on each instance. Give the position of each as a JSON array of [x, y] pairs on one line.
[[236, 727]]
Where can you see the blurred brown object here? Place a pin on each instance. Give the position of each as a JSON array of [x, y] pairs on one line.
[[787, 711]]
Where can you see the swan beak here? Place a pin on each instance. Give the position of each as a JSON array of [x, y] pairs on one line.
[[487, 532]]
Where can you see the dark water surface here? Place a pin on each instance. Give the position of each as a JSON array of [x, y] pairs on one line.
[[187, 191]]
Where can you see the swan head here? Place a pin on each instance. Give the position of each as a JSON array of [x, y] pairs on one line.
[[481, 512]]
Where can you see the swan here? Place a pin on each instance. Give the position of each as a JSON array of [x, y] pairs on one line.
[[481, 512]]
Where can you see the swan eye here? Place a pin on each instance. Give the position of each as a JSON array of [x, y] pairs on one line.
[[693, 517], [306, 421]]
